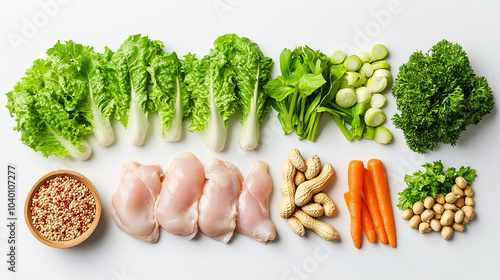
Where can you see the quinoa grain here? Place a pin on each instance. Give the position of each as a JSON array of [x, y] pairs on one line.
[[63, 209]]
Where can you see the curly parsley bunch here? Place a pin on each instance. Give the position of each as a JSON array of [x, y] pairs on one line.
[[438, 96]]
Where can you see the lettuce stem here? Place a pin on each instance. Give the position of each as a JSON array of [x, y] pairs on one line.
[[137, 126], [215, 131]]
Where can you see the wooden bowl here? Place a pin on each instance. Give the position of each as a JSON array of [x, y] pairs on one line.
[[35, 188]]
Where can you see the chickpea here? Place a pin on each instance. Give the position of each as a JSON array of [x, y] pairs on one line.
[[418, 207], [461, 182], [407, 214], [428, 202]]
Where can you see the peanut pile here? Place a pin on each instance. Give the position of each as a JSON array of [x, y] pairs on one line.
[[303, 199], [445, 213], [62, 209]]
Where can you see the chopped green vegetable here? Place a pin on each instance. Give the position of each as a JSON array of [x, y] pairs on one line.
[[352, 80], [357, 124], [365, 57], [363, 95], [168, 95], [346, 97], [351, 116], [366, 70], [379, 51], [380, 134], [438, 96], [385, 73], [378, 100], [374, 117], [129, 80], [351, 108], [434, 180], [337, 57], [352, 63], [381, 64], [376, 84]]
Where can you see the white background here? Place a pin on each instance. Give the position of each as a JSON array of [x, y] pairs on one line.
[[29, 28]]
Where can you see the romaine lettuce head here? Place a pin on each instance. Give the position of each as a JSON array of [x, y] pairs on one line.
[[168, 95], [84, 72], [252, 70], [46, 124], [129, 84], [210, 82]]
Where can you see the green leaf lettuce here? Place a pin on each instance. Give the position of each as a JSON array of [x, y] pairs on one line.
[[210, 82], [168, 95], [129, 83], [45, 112], [252, 71]]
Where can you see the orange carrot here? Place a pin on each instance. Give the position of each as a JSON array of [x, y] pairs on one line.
[[355, 182], [366, 220], [372, 204], [376, 168]]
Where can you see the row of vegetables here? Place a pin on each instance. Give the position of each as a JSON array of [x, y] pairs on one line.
[[348, 88], [76, 91]]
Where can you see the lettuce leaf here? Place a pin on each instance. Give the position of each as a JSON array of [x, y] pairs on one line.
[[80, 65], [253, 71], [168, 95], [129, 84], [210, 82], [44, 105]]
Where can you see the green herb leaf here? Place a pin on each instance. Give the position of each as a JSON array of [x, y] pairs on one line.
[[433, 181], [438, 96]]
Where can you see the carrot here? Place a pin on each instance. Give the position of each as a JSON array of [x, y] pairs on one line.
[[366, 220], [355, 183], [372, 204], [376, 168]]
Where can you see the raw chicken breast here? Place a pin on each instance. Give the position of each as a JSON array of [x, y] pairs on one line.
[[218, 203], [253, 205], [134, 200], [177, 205]]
